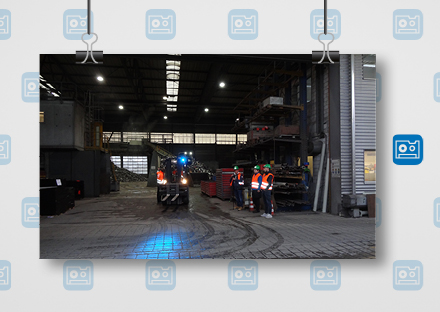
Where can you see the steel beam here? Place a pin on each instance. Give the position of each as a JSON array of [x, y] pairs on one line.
[[303, 114]]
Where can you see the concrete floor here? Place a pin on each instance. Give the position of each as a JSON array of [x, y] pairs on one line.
[[130, 225]]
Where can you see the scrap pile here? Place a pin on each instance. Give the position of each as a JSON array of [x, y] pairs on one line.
[[284, 187], [198, 167], [124, 175], [287, 170]]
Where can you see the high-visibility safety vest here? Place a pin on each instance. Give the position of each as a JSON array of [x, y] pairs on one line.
[[159, 176], [265, 183], [240, 181], [255, 184]]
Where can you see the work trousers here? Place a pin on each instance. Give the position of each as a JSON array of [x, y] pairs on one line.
[[238, 197], [256, 196], [267, 201]]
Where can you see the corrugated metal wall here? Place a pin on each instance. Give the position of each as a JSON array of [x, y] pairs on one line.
[[346, 144], [365, 123]]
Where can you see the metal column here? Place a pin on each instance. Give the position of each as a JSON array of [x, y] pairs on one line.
[[288, 120], [303, 119]]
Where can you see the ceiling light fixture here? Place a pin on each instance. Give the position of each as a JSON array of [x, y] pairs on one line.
[[222, 84], [121, 107], [165, 117], [206, 109], [100, 78]]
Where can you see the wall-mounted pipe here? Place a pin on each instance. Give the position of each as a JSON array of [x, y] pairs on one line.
[[353, 126], [327, 173], [314, 147], [318, 183]]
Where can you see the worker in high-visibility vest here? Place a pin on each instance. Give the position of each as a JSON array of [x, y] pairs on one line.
[[160, 181], [257, 180], [237, 183], [160, 177], [266, 187], [174, 178]]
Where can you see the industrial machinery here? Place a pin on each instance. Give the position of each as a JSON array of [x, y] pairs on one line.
[[355, 205], [175, 190]]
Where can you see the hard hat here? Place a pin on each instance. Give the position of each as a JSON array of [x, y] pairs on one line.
[[236, 168], [267, 166], [257, 167]]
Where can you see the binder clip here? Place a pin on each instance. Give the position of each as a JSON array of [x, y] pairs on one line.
[[89, 56], [325, 56]]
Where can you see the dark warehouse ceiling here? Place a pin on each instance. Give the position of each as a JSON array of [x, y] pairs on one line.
[[138, 82]]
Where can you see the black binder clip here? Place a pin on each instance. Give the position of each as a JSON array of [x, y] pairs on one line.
[[325, 56], [89, 56]]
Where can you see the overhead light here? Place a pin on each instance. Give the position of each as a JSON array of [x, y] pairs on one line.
[[121, 107], [165, 117], [186, 153], [206, 109], [238, 119], [171, 108], [172, 72], [222, 84], [164, 97], [190, 153], [100, 78]]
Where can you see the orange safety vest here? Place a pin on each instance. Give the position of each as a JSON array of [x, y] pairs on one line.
[[239, 182], [255, 184], [265, 184], [159, 176]]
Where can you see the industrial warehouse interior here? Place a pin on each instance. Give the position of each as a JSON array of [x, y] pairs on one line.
[[207, 156]]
